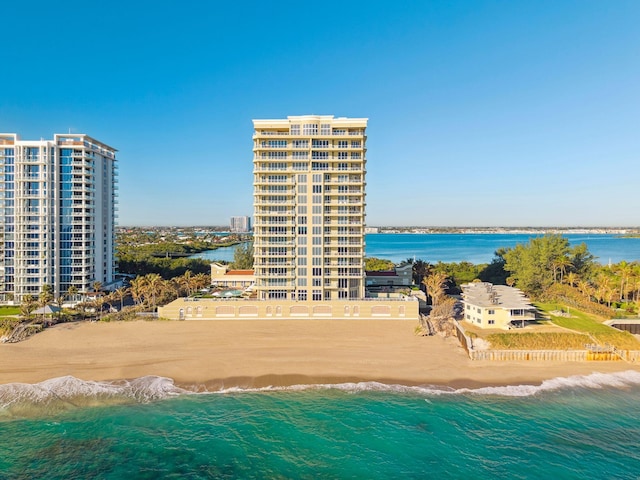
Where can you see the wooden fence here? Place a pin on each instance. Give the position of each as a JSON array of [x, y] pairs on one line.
[[610, 354]]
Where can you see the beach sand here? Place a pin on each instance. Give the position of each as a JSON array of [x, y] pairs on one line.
[[256, 353]]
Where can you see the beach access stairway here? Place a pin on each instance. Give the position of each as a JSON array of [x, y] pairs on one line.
[[591, 352]]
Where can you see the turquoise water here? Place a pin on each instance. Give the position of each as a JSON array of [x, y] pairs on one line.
[[470, 247], [480, 248], [577, 427]]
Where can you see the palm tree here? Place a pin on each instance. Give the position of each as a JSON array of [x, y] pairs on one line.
[[585, 288], [120, 294], [138, 288], [624, 270], [154, 286], [201, 280], [420, 270], [46, 296], [572, 278], [72, 292], [560, 264], [186, 282], [27, 306], [435, 283]]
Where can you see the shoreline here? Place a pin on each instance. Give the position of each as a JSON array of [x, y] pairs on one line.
[[221, 354]]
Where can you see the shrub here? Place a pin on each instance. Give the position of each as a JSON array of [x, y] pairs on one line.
[[570, 296]]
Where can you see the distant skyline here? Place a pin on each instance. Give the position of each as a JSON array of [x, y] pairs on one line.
[[481, 113]]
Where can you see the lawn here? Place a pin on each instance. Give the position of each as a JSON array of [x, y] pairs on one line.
[[6, 310], [583, 322]]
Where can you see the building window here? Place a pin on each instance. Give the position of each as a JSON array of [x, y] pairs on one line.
[[491, 312], [492, 322], [295, 129], [310, 129]]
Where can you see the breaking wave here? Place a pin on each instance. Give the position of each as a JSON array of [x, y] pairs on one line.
[[65, 393], [620, 380]]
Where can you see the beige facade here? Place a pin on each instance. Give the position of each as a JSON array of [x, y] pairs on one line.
[[495, 306], [222, 276], [242, 309], [309, 202]]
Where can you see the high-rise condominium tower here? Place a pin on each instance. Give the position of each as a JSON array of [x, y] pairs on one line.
[[57, 214], [240, 224], [309, 207]]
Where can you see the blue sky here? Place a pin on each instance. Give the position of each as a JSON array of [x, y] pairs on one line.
[[481, 113]]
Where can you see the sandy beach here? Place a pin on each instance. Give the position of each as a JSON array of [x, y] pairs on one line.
[[257, 353]]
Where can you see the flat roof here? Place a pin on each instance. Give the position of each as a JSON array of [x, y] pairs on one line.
[[484, 294]]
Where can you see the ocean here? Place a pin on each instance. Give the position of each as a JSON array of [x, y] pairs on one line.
[[566, 428], [471, 247]]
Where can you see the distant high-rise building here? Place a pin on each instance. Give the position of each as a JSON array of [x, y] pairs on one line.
[[57, 214], [309, 199], [240, 224]]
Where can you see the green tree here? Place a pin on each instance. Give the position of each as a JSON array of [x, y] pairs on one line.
[[420, 270], [495, 272], [120, 294], [534, 266], [45, 298], [243, 257], [27, 306], [373, 264]]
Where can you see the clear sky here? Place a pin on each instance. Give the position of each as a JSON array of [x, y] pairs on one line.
[[481, 113]]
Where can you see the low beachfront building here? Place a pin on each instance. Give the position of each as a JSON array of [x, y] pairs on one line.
[[405, 308], [400, 276], [496, 306], [222, 276]]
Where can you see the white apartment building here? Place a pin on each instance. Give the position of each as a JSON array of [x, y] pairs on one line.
[[309, 207], [57, 214], [240, 224]]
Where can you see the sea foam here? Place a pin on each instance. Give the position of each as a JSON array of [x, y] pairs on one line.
[[625, 379], [64, 393]]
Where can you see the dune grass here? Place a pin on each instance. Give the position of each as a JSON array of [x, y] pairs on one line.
[[538, 341]]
